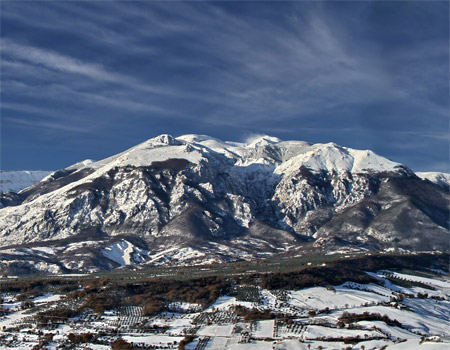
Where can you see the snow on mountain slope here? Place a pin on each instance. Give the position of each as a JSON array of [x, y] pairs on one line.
[[253, 198], [440, 179], [79, 165], [331, 157], [124, 253], [15, 181], [157, 149]]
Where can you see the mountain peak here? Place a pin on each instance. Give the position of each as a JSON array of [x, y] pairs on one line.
[[262, 140], [164, 139]]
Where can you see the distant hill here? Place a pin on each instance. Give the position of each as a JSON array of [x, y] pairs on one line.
[[15, 181]]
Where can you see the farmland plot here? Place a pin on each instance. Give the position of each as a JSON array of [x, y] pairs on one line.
[[349, 315]]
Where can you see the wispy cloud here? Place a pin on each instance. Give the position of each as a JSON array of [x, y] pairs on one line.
[[49, 76], [56, 61], [294, 70], [297, 67], [33, 109], [18, 53], [43, 124]]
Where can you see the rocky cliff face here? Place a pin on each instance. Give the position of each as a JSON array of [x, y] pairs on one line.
[[197, 199]]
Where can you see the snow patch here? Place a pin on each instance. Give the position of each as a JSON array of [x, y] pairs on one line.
[[124, 253]]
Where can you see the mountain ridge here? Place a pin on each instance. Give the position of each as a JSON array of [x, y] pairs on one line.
[[216, 200], [15, 181]]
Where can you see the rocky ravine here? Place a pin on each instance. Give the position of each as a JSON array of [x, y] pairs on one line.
[[196, 199]]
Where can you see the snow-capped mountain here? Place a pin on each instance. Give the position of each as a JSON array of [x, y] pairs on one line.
[[15, 181], [195, 198], [440, 179]]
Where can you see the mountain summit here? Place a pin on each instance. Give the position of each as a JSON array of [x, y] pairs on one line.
[[197, 199]]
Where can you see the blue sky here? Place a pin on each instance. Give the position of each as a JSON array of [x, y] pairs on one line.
[[86, 79]]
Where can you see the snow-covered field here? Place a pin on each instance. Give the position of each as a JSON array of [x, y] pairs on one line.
[[301, 319]]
